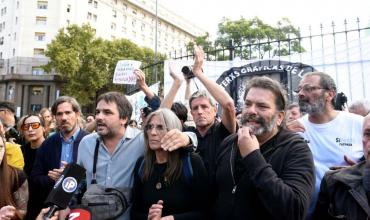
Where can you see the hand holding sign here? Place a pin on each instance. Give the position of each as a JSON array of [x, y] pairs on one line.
[[124, 72]]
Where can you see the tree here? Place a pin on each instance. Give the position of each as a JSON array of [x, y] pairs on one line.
[[81, 61], [202, 41], [257, 39]]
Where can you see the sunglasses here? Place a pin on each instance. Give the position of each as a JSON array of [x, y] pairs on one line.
[[33, 125]]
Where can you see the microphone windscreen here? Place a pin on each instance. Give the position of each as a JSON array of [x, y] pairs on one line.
[[79, 214], [66, 185]]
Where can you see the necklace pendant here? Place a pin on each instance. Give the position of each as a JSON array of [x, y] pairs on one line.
[[158, 185]]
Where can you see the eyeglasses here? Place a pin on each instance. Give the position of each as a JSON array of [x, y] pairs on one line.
[[307, 88], [158, 128], [33, 125]]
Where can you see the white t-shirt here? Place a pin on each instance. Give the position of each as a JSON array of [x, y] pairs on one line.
[[329, 142]]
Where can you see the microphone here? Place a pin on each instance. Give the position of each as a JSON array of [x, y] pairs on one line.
[[80, 213], [64, 188]]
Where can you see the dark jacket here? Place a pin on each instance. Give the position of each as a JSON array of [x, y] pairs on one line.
[[47, 158], [342, 195], [275, 182]]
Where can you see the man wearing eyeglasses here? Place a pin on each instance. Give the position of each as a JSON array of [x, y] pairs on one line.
[[334, 137]]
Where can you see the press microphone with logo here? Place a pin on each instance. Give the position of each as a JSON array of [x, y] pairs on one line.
[[79, 213], [64, 188]]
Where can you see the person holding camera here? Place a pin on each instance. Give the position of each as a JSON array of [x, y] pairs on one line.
[[163, 183]]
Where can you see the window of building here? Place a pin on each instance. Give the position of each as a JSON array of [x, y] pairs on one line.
[[17, 4], [36, 108], [113, 26], [95, 4], [38, 52], [42, 4], [95, 17], [15, 36], [3, 25], [124, 7], [68, 22], [1, 55], [114, 13], [37, 71], [68, 8], [133, 23], [134, 12], [16, 20], [90, 2], [143, 27], [89, 16], [1, 40], [39, 36], [37, 90], [40, 20], [13, 52]]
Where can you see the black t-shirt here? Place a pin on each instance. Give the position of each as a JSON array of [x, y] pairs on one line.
[[29, 155], [209, 145]]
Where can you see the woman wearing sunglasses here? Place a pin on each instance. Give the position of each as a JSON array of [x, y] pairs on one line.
[[171, 185], [32, 128], [13, 189]]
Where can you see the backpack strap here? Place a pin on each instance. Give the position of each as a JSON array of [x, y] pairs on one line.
[[187, 168], [140, 171], [93, 180]]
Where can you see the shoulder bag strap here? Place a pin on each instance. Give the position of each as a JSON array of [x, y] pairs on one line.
[[93, 181]]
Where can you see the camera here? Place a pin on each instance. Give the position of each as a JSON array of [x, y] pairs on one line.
[[188, 72]]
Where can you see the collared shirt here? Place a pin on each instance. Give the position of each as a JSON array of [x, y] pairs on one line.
[[114, 170], [67, 147]]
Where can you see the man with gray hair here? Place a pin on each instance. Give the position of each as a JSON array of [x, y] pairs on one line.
[[360, 107], [333, 136], [203, 110]]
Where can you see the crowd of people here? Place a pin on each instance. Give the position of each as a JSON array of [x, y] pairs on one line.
[[272, 160]]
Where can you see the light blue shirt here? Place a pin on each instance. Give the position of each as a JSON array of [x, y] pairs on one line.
[[114, 170], [67, 147]]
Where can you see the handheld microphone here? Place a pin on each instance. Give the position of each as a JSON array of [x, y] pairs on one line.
[[80, 213], [64, 188]]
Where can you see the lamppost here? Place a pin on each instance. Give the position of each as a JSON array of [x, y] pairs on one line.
[[156, 41]]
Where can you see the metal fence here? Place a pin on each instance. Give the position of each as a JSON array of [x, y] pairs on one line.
[[324, 40]]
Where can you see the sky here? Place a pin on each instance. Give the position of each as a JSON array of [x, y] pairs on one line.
[[206, 14]]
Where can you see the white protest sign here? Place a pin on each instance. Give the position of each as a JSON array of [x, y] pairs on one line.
[[124, 72]]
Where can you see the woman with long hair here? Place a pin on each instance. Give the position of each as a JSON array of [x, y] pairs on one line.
[[13, 189], [171, 185]]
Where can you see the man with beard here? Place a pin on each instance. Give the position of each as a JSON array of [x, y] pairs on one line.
[[333, 136], [118, 153], [56, 151], [266, 171]]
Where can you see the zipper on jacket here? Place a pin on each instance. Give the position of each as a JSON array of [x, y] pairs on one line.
[[232, 170]]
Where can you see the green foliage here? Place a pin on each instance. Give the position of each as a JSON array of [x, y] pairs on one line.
[[80, 59], [86, 64], [261, 38], [202, 41]]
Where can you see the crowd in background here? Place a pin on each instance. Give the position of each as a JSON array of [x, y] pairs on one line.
[[272, 160]]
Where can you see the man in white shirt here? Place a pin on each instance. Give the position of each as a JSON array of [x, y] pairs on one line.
[[331, 135]]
